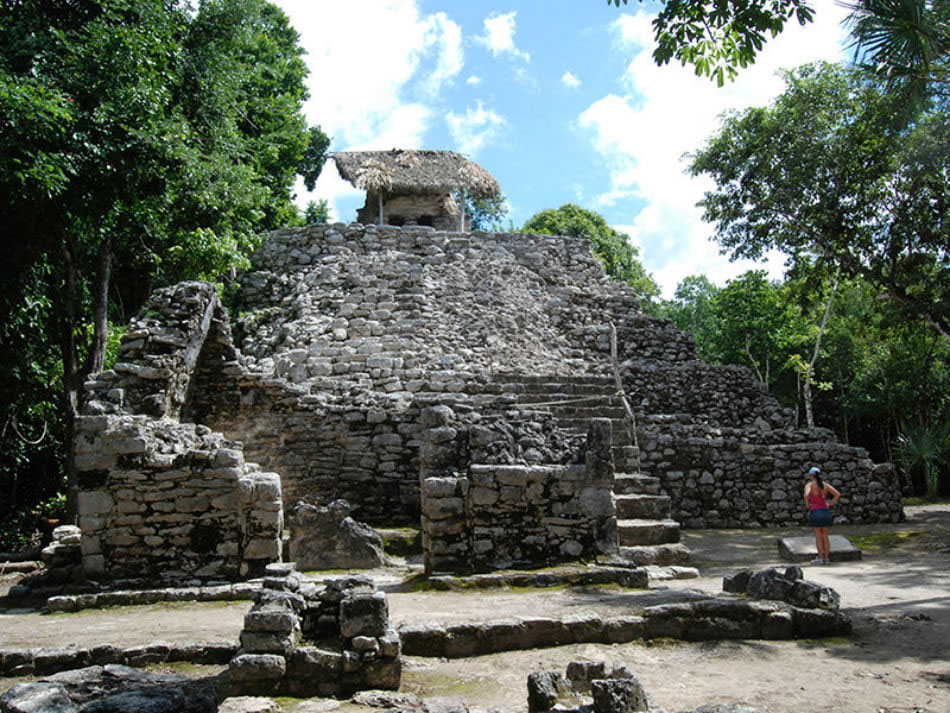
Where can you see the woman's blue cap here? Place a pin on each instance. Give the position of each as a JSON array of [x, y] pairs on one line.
[[813, 471]]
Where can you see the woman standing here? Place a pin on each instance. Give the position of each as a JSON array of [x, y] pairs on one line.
[[819, 514]]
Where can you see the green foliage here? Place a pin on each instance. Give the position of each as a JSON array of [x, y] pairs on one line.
[[612, 247], [484, 213], [692, 310], [316, 213], [824, 176], [718, 37], [927, 447], [907, 43], [162, 136], [876, 370]]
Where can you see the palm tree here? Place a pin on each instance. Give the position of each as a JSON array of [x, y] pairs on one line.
[[907, 42], [926, 446]]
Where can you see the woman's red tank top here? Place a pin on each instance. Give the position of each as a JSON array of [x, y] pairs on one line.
[[817, 501]]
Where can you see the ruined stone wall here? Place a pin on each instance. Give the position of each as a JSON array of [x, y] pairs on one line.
[[169, 500], [717, 479], [300, 640], [481, 516], [346, 332], [158, 497]]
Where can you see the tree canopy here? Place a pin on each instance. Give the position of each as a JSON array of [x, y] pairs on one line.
[[718, 37], [824, 175], [612, 247], [141, 142]]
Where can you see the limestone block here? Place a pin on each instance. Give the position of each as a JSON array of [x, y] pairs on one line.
[[93, 565], [543, 690], [441, 508], [270, 618], [262, 548], [618, 695], [266, 642], [364, 614], [95, 461], [383, 674], [439, 487], [91, 545], [327, 538], [315, 664], [257, 667], [95, 502], [45, 697]]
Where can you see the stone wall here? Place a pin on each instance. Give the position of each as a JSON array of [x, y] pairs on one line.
[[158, 497], [717, 479], [478, 516], [171, 500]]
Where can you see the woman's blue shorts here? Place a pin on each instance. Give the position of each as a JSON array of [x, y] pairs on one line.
[[820, 517]]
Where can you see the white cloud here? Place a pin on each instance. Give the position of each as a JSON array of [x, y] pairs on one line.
[[475, 128], [473, 81], [445, 36], [665, 112], [499, 35], [570, 80], [363, 64]]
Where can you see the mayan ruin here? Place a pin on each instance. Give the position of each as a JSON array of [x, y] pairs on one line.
[[415, 356]]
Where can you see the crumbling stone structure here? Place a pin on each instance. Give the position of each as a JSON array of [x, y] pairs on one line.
[[345, 334], [159, 497], [311, 641], [482, 516]]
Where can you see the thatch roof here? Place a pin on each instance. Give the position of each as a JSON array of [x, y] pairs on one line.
[[408, 171]]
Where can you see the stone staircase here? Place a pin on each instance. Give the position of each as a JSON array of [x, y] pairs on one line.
[[648, 535]]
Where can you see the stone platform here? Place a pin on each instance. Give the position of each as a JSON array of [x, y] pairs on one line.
[[802, 549]]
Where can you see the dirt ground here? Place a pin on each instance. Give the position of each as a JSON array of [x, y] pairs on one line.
[[898, 660]]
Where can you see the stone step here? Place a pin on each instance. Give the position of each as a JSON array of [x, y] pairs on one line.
[[648, 532], [575, 390], [582, 411], [636, 484], [637, 506], [591, 400], [660, 555], [621, 437], [519, 378]]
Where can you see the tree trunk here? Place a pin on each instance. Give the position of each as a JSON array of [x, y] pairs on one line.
[[100, 325], [65, 306], [809, 370]]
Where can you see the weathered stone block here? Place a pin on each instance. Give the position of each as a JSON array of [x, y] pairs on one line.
[[95, 502], [364, 614], [257, 667]]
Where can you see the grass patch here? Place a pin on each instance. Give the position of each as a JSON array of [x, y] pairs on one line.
[[924, 501], [401, 541], [186, 668], [427, 683], [883, 541]]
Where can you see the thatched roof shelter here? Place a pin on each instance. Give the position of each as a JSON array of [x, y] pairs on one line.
[[410, 172]]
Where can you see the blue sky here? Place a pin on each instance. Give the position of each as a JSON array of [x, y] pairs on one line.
[[558, 99]]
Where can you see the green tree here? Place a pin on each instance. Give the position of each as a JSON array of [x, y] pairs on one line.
[[754, 325], [691, 309], [484, 213], [145, 134], [316, 212], [906, 42], [718, 37], [823, 175], [612, 247]]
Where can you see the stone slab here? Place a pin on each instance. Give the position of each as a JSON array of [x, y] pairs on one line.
[[802, 549]]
